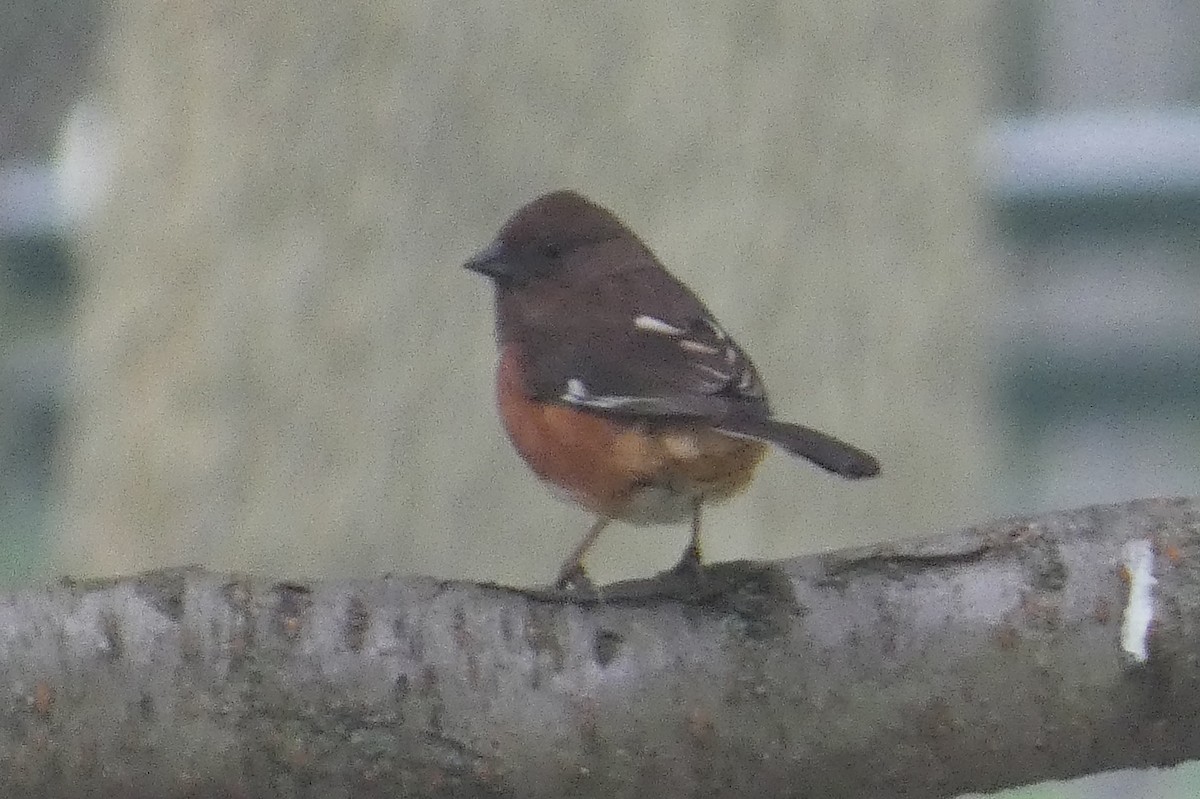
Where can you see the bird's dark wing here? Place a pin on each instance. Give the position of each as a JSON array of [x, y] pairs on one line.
[[646, 347]]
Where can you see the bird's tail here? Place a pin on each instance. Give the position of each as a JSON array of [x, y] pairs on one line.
[[824, 450]]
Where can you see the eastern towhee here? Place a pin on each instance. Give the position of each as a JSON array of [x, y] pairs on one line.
[[617, 386]]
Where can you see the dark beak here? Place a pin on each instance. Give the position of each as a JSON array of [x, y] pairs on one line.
[[490, 261]]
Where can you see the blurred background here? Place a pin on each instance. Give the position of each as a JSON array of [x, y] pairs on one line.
[[234, 330]]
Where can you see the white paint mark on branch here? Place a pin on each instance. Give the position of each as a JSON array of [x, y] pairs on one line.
[[1138, 564]]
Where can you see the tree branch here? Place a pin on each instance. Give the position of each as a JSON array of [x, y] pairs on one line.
[[1023, 650]]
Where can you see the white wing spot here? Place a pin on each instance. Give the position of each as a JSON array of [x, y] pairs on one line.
[[697, 347], [577, 393], [651, 324], [576, 390], [717, 373]]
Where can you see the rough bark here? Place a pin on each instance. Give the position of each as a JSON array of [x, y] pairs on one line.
[[985, 658]]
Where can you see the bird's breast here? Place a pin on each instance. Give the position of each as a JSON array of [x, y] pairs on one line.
[[621, 468]]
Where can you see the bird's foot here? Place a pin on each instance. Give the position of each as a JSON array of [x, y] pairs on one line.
[[573, 578], [689, 566]]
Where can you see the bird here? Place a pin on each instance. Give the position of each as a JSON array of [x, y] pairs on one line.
[[616, 384]]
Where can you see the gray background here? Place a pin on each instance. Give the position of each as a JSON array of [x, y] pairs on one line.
[[234, 330]]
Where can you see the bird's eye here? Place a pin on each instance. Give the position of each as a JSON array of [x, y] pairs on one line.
[[550, 250]]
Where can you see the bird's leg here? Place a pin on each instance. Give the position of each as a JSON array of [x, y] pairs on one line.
[[572, 571], [689, 561]]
